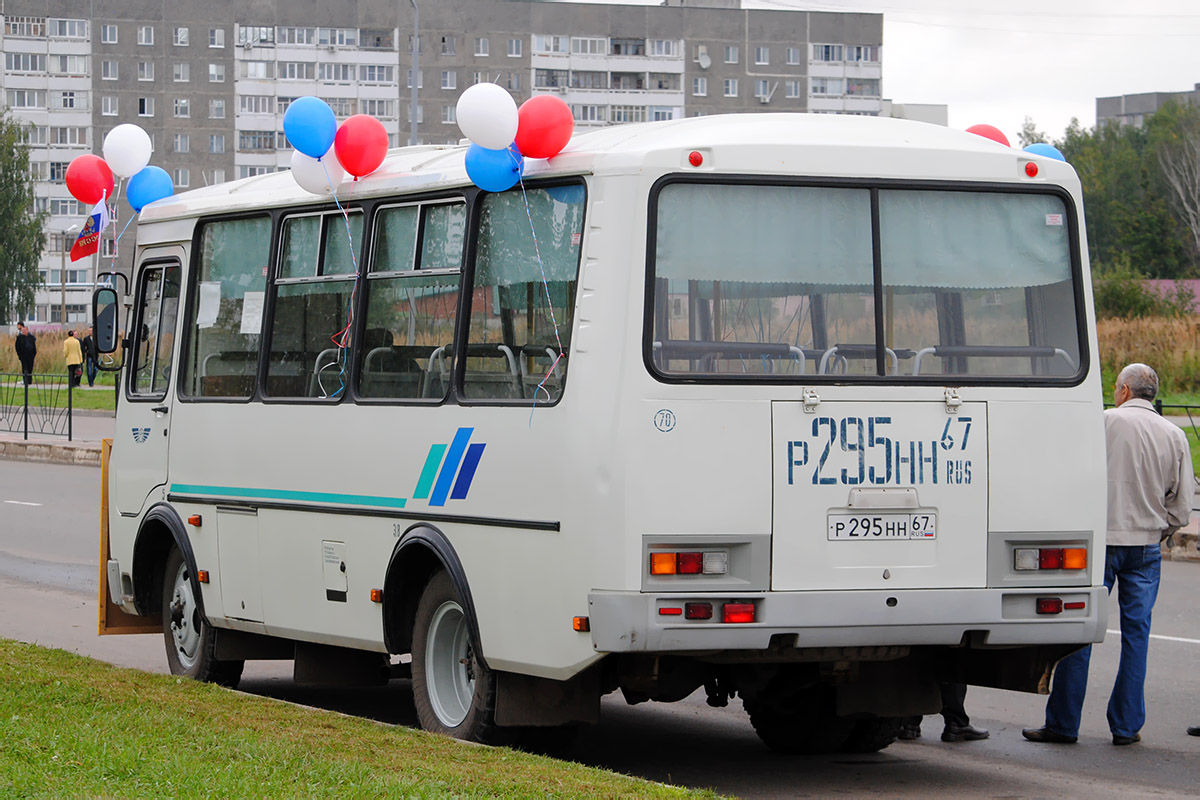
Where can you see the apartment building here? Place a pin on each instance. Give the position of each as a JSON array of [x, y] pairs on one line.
[[210, 82], [1132, 109]]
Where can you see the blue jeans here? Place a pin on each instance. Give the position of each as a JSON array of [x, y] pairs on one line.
[[1135, 569]]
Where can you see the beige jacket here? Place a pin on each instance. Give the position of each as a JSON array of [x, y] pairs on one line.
[[72, 352], [1150, 484]]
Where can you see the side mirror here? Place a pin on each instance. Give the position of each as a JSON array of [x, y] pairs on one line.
[[106, 319]]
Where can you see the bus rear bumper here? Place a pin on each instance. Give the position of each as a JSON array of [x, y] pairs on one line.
[[629, 622]]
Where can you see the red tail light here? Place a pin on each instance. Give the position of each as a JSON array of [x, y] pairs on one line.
[[698, 610], [737, 612], [1050, 558], [1049, 605]]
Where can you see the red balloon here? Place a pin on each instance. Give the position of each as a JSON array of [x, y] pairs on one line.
[[89, 180], [544, 126], [989, 132], [361, 144]]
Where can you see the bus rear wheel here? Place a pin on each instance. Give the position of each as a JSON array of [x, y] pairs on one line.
[[190, 640], [454, 692], [800, 723]]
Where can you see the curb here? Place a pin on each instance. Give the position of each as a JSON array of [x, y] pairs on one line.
[[73, 453]]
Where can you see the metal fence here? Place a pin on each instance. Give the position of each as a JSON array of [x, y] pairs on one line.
[[43, 407]]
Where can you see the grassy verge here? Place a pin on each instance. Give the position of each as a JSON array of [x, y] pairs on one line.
[[73, 727]]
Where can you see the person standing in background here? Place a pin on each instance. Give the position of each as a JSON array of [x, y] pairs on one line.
[[26, 347], [90, 356], [73, 355]]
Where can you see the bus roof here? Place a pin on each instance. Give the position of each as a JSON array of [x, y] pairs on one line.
[[818, 145]]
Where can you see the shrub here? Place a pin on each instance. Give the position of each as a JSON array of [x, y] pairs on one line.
[[1120, 292]]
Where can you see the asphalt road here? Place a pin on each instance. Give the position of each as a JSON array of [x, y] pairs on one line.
[[48, 580]]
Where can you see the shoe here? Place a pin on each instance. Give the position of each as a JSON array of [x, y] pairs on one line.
[[1044, 734], [909, 732], [963, 733], [1194, 730], [1120, 741]]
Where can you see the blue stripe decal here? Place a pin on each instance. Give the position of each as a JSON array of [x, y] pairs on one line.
[[467, 473], [450, 466], [288, 494], [425, 482]]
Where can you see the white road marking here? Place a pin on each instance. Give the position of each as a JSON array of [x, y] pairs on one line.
[[20, 503], [1164, 638]]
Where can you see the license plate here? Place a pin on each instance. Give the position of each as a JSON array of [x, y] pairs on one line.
[[883, 526]]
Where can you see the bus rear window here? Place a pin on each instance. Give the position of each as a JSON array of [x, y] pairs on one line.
[[791, 281]]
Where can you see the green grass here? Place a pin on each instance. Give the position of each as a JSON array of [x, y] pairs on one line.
[[71, 726]]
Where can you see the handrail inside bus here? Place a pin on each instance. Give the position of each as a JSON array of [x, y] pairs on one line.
[[840, 353], [993, 351]]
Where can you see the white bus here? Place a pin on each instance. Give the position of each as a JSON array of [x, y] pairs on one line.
[[799, 409]]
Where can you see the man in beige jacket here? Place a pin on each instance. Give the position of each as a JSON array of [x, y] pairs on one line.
[[1150, 490]]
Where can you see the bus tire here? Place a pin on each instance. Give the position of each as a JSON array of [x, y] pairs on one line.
[[804, 723], [872, 735], [454, 692], [189, 639]]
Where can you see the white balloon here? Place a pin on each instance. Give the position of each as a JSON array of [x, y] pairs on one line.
[[487, 115], [317, 176], [127, 150]]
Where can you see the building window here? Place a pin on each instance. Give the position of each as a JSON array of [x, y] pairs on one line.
[[587, 79], [699, 87], [256, 104], [183, 107], [514, 48], [731, 87], [862, 87], [25, 62], [449, 79], [108, 70], [145, 106], [252, 172], [335, 73], [791, 89], [622, 114], [731, 54], [666, 48], [108, 248], [25, 26], [26, 98], [256, 140], [69, 101], [68, 28], [216, 143], [183, 143], [826, 52], [216, 73], [376, 73], [660, 113], [181, 37], [551, 44], [256, 35], [589, 46], [762, 55], [108, 34], [145, 34], [182, 177], [108, 106], [420, 79], [663, 81], [340, 37], [762, 88], [218, 175], [68, 65], [342, 106], [297, 71], [826, 86], [71, 136], [58, 171], [792, 56], [216, 37], [589, 113], [216, 109], [296, 36], [481, 46], [627, 47], [380, 109], [551, 78], [862, 53], [256, 70], [449, 115], [447, 45], [145, 70], [514, 82], [182, 73]]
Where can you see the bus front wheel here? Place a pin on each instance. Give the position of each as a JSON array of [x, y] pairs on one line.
[[190, 640], [454, 692]]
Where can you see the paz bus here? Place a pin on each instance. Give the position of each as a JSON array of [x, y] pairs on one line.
[[801, 410]]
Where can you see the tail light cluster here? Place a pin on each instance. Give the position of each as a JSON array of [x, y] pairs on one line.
[[703, 610], [711, 562], [1038, 558]]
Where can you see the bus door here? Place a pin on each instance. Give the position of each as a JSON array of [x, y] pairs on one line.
[[140, 441]]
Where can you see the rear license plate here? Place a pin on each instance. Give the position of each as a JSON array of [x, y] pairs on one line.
[[883, 526]]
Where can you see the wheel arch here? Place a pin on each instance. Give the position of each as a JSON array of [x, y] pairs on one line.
[[422, 551], [160, 528]]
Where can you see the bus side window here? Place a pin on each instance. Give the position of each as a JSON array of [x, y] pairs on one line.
[[407, 350], [226, 310], [522, 310], [154, 346]]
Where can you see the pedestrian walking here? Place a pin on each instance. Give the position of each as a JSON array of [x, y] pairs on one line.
[[1150, 489], [26, 347], [73, 355], [958, 727], [90, 357]]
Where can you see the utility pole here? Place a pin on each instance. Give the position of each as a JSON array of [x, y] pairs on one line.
[[416, 79], [62, 270]]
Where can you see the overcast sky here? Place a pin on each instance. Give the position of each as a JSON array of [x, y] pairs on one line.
[[1046, 59]]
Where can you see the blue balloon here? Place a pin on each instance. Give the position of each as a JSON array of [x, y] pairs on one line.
[[494, 170], [310, 125], [148, 185], [1043, 149]]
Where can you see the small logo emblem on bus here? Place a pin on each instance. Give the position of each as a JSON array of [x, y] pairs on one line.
[[141, 434], [664, 420]]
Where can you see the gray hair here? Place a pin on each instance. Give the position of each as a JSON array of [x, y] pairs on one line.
[[1141, 380]]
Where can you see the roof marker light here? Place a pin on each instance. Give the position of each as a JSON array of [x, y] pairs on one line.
[[695, 158], [1031, 169]]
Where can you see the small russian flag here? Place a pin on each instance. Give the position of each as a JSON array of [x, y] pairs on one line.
[[89, 238]]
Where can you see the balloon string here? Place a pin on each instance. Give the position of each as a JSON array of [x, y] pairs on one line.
[[541, 387], [341, 339]]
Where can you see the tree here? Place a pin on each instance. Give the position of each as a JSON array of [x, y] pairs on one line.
[[22, 234], [1175, 134], [1029, 134]]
